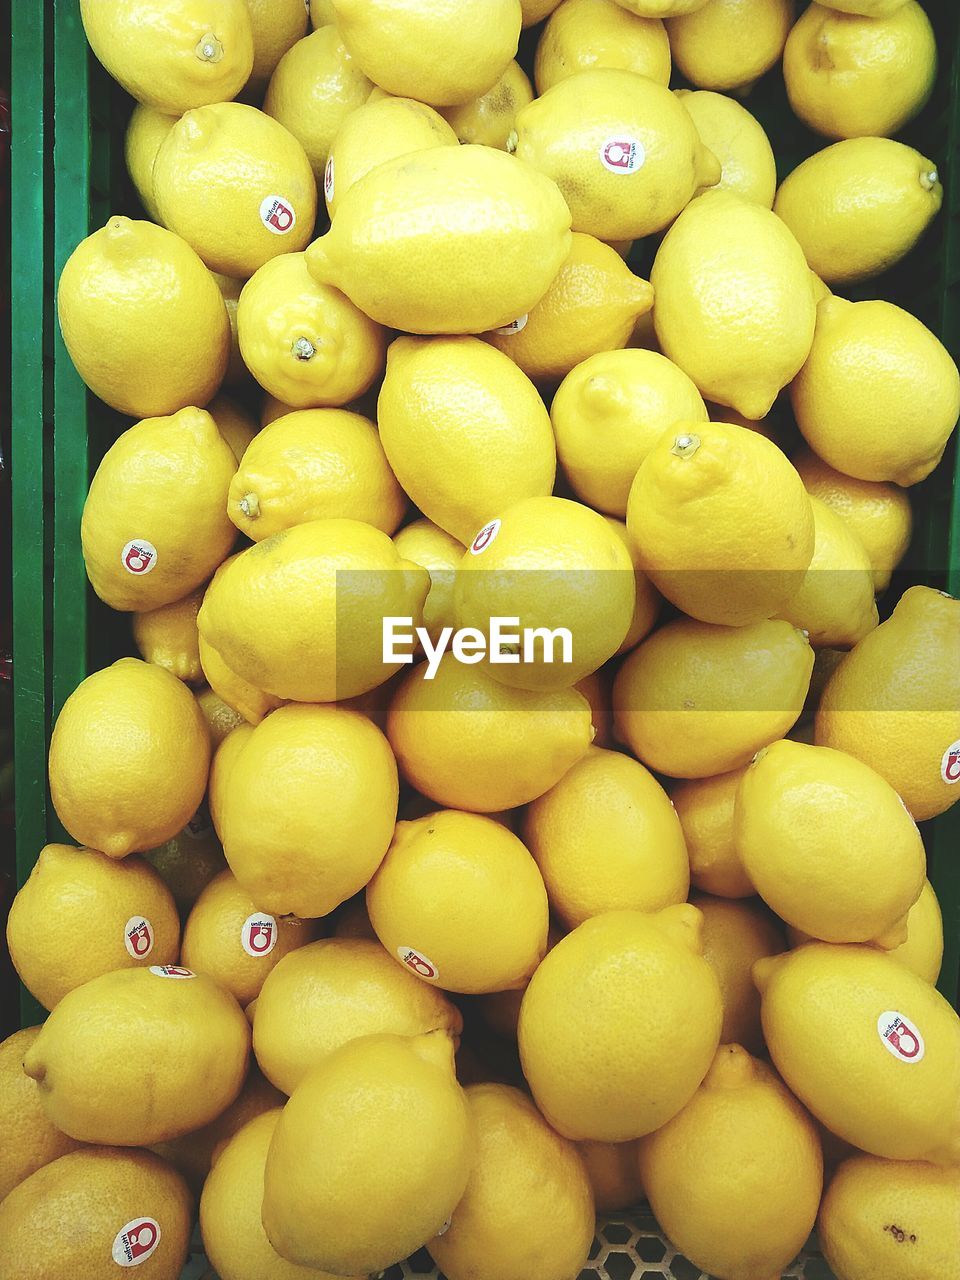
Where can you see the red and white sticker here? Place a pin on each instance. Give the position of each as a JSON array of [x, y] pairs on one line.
[[138, 937], [515, 326], [277, 215], [900, 1036], [950, 764], [328, 179], [622, 154], [484, 537], [139, 557], [171, 971], [136, 1242], [418, 963], [258, 935]]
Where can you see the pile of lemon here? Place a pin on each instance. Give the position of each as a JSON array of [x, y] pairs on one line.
[[654, 919]]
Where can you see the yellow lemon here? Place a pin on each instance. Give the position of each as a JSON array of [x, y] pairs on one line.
[[237, 375], [143, 319], [109, 915], [528, 1211], [470, 742], [225, 757], [859, 1038], [464, 430], [695, 699], [894, 702], [849, 76], [188, 861], [154, 523], [582, 34], [878, 513], [722, 523], [648, 603], [436, 52], [703, 1184], [735, 936], [874, 1210], [591, 307], [449, 240], [272, 409], [535, 11], [661, 8], [879, 397], [734, 301], [621, 148], [737, 139], [128, 758], [488, 120], [606, 838], [705, 807], [276, 28], [193, 1033], [168, 637], [220, 718], [858, 207], [729, 44], [424, 543], [867, 8], [321, 13], [613, 1173], [234, 422], [371, 1155], [173, 54], [31, 1141], [576, 1013], [237, 186], [146, 131], [249, 702]]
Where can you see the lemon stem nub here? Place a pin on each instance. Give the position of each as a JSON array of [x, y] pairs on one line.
[[685, 446], [929, 179], [210, 49], [250, 506], [304, 349]]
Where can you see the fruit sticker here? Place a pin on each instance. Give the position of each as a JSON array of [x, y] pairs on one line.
[[138, 937], [622, 155], [171, 971], [950, 764], [136, 1242], [515, 326], [900, 1036], [328, 180], [139, 557], [484, 537], [277, 215], [419, 963], [258, 935]]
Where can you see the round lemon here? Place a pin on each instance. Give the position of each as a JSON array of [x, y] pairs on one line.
[[488, 121], [234, 422], [705, 807], [858, 207], [424, 543], [729, 44], [276, 28], [696, 699], [224, 759], [168, 637], [130, 724], [583, 34], [237, 186], [145, 134], [143, 319], [735, 935], [32, 1141], [448, 240], [614, 1174], [851, 77], [189, 860], [623, 151], [737, 139]]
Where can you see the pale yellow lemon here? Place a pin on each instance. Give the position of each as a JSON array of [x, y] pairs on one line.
[[735, 936], [581, 34], [276, 28], [489, 120], [145, 134], [426, 544], [705, 807], [729, 44], [168, 637], [738, 140], [32, 1141]]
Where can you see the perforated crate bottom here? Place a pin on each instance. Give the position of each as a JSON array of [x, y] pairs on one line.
[[628, 1246]]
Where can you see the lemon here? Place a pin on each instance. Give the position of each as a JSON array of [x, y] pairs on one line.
[[704, 1183], [143, 320], [272, 409], [175, 55], [305, 342], [735, 935], [648, 603], [276, 28], [834, 604], [237, 376], [122, 911], [859, 1038], [621, 148], [224, 759], [729, 44], [249, 702], [464, 431], [535, 11], [734, 301], [613, 1173], [424, 543], [154, 523], [192, 1032], [606, 838], [469, 742], [527, 1212], [878, 513], [220, 718], [591, 307], [370, 1156], [722, 523], [128, 758], [378, 131], [705, 807], [867, 8], [31, 1141], [696, 699], [189, 860], [436, 52], [234, 422], [893, 703], [879, 397], [168, 637], [852, 77], [576, 1013], [879, 1215], [859, 206], [237, 186], [488, 120], [93, 1211], [583, 34], [449, 240], [737, 139], [607, 415], [145, 134], [661, 8], [321, 13]]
